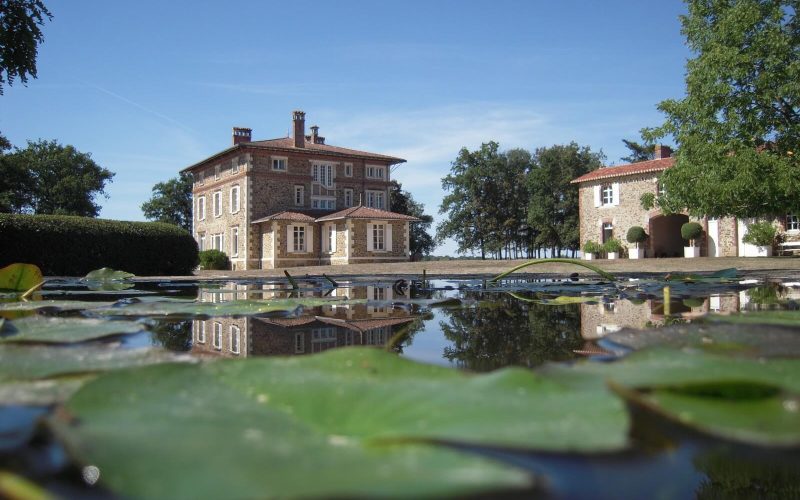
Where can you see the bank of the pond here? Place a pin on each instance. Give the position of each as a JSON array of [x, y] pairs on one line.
[[764, 267]]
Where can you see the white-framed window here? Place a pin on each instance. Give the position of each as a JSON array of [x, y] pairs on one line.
[[378, 237], [792, 222], [348, 197], [235, 203], [298, 239], [323, 202], [234, 241], [348, 170], [234, 340], [299, 196], [607, 194], [201, 332], [216, 172], [201, 243], [608, 231], [375, 172], [201, 208], [329, 237], [217, 341], [217, 200], [279, 163], [323, 174], [218, 241], [376, 199]]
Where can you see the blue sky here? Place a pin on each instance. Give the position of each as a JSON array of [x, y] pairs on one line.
[[151, 87]]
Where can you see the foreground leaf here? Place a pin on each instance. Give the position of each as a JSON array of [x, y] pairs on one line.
[[349, 422], [64, 330], [20, 277]]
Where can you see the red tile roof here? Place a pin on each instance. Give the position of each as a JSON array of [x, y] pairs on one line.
[[288, 143], [641, 167], [366, 213], [286, 215]]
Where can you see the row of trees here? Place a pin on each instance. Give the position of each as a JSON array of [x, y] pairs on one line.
[[514, 203]]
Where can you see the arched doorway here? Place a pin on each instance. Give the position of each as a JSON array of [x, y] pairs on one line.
[[665, 235]]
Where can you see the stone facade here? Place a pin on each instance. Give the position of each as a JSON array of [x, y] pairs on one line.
[[238, 192]]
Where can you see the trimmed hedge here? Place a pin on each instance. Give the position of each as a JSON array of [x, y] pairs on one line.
[[215, 260], [66, 245]]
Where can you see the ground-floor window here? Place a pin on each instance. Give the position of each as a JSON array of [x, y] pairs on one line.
[[217, 335], [378, 237], [608, 231], [792, 222], [330, 238], [218, 242], [235, 339], [201, 241], [234, 241], [201, 332], [297, 241]]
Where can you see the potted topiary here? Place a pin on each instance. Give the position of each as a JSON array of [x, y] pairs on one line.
[[591, 249], [613, 248], [691, 231], [215, 260], [636, 235], [762, 235]]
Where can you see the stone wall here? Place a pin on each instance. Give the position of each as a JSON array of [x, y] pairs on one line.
[[359, 252]]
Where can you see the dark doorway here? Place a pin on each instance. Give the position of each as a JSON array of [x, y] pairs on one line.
[[665, 235]]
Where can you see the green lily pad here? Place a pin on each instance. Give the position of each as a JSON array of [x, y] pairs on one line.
[[20, 277], [64, 330], [58, 305], [359, 422], [108, 274]]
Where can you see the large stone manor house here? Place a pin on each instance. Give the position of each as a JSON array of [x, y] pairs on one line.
[[296, 201]]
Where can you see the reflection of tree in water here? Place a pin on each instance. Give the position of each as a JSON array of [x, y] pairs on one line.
[[507, 331], [173, 335], [734, 475], [403, 335]]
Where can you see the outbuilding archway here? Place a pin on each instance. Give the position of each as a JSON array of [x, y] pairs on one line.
[[665, 235]]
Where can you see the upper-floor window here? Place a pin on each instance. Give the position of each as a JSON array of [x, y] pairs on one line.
[[217, 203], [376, 199], [234, 241], [201, 208], [323, 173], [299, 196], [375, 172], [324, 203], [216, 172], [201, 332], [348, 197], [792, 222], [607, 194], [279, 163], [239, 163], [201, 177], [217, 335], [235, 334], [235, 204], [348, 170]]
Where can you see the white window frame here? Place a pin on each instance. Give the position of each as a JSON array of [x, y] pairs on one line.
[[348, 197], [201, 332], [606, 195], [217, 202], [235, 241], [792, 223], [217, 340], [329, 237], [235, 333], [299, 195], [375, 172], [610, 227], [373, 197], [201, 241], [292, 240], [323, 202], [236, 202], [201, 208], [279, 160], [348, 170], [218, 241], [323, 173], [376, 229]]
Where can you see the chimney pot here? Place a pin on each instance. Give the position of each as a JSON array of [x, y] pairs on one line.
[[662, 151], [299, 128], [241, 134], [314, 134]]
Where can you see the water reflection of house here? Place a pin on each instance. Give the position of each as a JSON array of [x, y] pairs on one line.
[[598, 320], [330, 326]]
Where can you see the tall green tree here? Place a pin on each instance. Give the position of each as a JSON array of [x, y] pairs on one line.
[[20, 36], [171, 202], [56, 179], [553, 201], [13, 181], [401, 202], [639, 151], [738, 128]]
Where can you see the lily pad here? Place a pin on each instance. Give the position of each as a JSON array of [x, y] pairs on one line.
[[360, 422], [108, 274], [20, 277], [64, 330], [57, 305]]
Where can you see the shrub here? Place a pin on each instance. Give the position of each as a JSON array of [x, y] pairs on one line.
[[214, 260], [613, 245], [636, 235], [760, 234], [592, 247], [66, 245], [691, 231]]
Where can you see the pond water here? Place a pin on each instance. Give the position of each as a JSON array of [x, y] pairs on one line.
[[465, 324]]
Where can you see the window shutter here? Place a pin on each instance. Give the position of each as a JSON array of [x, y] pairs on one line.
[[310, 239], [289, 239], [388, 237], [597, 196], [370, 239], [333, 240], [615, 193]]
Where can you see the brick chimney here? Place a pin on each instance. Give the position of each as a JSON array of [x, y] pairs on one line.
[[241, 135], [663, 151], [299, 129]]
